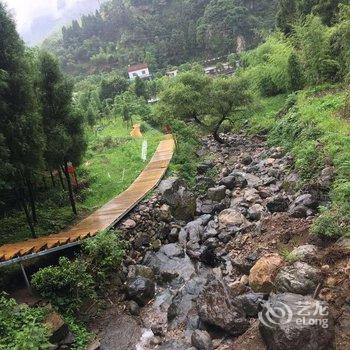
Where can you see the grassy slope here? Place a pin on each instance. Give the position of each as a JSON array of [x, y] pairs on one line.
[[112, 163], [316, 133]]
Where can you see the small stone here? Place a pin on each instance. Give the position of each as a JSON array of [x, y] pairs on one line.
[[129, 224]]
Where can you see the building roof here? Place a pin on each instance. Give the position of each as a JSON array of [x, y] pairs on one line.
[[136, 67]]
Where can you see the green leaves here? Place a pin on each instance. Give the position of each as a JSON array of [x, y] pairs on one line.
[[21, 327]]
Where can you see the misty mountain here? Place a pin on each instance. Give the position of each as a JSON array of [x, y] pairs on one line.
[[43, 25]]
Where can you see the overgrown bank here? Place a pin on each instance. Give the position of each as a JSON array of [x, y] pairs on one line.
[[314, 126]]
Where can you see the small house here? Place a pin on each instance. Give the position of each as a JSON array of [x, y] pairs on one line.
[[139, 70]]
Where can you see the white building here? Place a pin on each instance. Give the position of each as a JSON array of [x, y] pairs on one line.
[[139, 70]]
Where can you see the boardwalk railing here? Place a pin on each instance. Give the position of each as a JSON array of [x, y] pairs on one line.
[[103, 218]]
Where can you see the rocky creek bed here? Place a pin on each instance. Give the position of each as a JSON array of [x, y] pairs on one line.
[[202, 267]]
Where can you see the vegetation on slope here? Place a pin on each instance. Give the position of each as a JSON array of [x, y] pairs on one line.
[[159, 33]]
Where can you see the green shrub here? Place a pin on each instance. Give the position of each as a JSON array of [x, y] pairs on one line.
[[295, 73], [67, 286], [103, 255], [21, 327], [268, 87]]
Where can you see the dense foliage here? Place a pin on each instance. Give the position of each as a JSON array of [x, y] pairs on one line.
[[40, 130], [159, 33], [21, 327], [71, 284]]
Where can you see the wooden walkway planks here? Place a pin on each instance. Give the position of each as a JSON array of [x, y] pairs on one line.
[[106, 216]]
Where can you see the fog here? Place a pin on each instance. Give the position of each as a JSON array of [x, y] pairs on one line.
[[37, 19]]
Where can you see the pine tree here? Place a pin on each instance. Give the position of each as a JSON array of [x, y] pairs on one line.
[[20, 124], [63, 126]]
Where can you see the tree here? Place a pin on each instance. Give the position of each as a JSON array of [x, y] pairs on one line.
[[227, 97], [295, 73], [313, 39], [286, 15], [112, 86], [20, 124], [140, 88], [62, 124], [186, 96]]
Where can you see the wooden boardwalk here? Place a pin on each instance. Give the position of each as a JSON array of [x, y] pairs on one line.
[[103, 218]]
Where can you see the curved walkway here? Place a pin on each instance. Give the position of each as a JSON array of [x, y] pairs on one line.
[[101, 219]]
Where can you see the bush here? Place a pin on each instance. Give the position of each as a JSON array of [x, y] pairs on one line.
[[295, 73], [21, 327], [268, 87], [67, 286], [103, 255]]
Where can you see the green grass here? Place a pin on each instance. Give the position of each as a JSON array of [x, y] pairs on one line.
[[112, 163], [317, 134], [113, 169]]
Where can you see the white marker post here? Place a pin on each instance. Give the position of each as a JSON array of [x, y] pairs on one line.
[[144, 150]]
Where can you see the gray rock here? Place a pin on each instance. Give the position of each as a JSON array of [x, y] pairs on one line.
[[182, 202], [298, 211], [299, 278], [251, 303], [305, 252], [183, 305], [172, 250], [289, 330], [306, 200], [229, 182], [141, 290], [169, 263], [217, 194], [215, 307], [278, 204], [255, 212], [201, 340], [140, 270], [239, 179]]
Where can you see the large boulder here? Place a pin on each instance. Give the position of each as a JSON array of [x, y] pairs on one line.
[[305, 252], [299, 278], [141, 290], [215, 307], [263, 273], [183, 305], [292, 322], [169, 263], [201, 340], [182, 202]]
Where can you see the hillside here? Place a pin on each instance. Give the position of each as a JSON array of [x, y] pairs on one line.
[[160, 33]]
